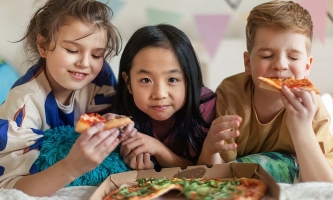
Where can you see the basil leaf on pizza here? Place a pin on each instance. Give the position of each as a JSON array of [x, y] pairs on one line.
[[193, 189]]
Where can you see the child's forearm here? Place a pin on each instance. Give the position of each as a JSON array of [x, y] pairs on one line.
[[209, 159], [166, 158], [312, 162], [46, 182]]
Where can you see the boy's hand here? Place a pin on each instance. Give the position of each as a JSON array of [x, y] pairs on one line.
[[222, 128], [301, 106]]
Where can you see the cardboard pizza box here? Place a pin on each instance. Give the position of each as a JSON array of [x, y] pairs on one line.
[[229, 170]]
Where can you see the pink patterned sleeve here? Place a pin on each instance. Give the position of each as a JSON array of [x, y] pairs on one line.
[[207, 104]]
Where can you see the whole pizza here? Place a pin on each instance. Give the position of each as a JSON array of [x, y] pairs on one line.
[[193, 189]]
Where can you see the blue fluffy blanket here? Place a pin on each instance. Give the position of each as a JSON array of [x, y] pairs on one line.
[[56, 145], [58, 142]]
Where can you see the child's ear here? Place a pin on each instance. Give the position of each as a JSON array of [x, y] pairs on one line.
[[41, 46], [308, 66], [246, 57], [125, 77]]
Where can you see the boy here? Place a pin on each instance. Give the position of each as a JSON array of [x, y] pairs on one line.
[[279, 36]]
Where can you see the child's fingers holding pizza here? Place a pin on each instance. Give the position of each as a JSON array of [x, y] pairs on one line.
[[129, 130], [109, 116], [91, 131], [308, 97], [289, 98], [101, 136], [109, 144]]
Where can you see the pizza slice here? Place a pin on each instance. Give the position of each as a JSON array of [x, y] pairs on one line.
[[234, 188], [145, 189], [88, 120], [277, 83]]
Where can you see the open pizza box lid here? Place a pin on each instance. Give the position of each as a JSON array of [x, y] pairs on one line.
[[229, 170]]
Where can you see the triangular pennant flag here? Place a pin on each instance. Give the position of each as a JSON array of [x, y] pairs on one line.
[[162, 16], [211, 29], [233, 3], [330, 16], [115, 5], [330, 11], [318, 11]]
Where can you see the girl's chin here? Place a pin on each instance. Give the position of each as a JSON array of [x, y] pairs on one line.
[[160, 118]]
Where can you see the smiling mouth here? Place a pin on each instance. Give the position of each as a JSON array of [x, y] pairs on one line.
[[160, 106], [78, 74]]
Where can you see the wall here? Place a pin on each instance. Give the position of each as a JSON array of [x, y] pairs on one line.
[[228, 60]]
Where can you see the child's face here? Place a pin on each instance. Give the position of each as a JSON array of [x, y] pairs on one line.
[[157, 83], [77, 58], [279, 54]]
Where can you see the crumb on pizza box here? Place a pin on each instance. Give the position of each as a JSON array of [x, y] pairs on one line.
[[229, 170]]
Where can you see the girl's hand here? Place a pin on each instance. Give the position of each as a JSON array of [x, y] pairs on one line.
[[138, 144], [222, 128], [125, 132], [91, 148], [139, 162], [301, 106]]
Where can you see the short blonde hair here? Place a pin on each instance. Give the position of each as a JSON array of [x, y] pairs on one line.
[[281, 15]]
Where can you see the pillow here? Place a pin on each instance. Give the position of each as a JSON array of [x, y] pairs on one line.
[[56, 145], [7, 76]]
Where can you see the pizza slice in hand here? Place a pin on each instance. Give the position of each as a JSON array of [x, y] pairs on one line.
[[275, 84], [88, 120]]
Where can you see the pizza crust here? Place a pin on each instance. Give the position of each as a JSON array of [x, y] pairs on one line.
[[268, 87], [277, 83]]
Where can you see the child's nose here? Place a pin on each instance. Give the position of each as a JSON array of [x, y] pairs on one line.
[[159, 92], [280, 64], [83, 62]]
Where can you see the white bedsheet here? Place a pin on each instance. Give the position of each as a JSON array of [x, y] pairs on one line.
[[304, 191]]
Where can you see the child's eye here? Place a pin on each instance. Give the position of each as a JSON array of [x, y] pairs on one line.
[[97, 56], [71, 51], [145, 80], [293, 58], [266, 57], [173, 80]]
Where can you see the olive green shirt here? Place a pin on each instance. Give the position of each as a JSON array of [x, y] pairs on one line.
[[234, 96]]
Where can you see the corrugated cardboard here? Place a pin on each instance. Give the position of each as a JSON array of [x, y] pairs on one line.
[[237, 170]]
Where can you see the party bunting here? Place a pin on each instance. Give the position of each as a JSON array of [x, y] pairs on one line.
[[233, 3], [211, 29], [330, 16], [318, 11], [330, 11], [162, 16], [115, 5]]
